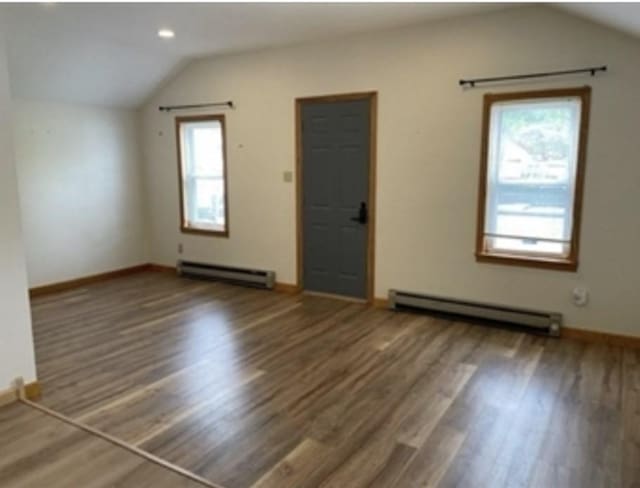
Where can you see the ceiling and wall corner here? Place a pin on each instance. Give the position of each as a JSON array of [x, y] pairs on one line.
[[109, 54], [624, 17]]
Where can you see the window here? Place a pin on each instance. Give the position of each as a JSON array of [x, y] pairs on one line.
[[533, 155], [202, 165]]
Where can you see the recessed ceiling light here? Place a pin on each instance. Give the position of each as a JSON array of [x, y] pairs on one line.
[[166, 34]]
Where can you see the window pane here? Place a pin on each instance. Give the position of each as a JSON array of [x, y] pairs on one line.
[[203, 172], [532, 165]]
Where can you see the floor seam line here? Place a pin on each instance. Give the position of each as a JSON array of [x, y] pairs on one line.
[[122, 444]]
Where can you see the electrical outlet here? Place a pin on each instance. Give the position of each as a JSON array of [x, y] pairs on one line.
[[580, 296], [287, 176], [180, 248]]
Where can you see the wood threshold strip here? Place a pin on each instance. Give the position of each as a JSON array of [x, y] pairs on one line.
[[117, 442], [334, 296]]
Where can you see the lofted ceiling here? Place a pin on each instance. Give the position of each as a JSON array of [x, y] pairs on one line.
[[109, 54], [621, 16]]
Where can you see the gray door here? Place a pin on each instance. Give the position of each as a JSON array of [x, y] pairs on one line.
[[335, 196]]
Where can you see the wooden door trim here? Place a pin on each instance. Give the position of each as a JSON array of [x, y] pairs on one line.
[[372, 98]]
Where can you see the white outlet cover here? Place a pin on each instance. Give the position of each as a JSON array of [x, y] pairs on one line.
[[580, 296]]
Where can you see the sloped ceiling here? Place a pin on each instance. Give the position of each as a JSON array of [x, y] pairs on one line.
[[621, 16], [109, 54]]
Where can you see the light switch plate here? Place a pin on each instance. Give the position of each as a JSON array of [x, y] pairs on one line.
[[287, 176]]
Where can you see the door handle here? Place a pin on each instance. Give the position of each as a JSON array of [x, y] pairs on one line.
[[363, 214]]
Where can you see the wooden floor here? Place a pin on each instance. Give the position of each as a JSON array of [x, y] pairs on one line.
[[251, 388], [38, 451]]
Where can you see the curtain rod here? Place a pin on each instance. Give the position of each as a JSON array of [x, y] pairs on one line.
[[472, 82], [169, 108]]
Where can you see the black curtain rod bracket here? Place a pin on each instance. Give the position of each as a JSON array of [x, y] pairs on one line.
[[474, 81], [170, 108]]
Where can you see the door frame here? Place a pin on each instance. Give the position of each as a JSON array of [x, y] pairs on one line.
[[372, 98]]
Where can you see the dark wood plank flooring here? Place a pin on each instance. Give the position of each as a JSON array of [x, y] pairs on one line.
[[38, 451], [251, 388]]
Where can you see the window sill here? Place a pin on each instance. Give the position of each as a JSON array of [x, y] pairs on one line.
[[205, 232], [528, 261]]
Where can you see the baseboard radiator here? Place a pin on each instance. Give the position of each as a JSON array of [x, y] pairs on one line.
[[248, 277], [547, 322]]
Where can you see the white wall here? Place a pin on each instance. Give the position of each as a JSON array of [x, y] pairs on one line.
[[80, 188], [428, 156], [16, 343]]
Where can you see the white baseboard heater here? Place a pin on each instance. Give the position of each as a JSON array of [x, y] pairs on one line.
[[548, 322], [241, 276]]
